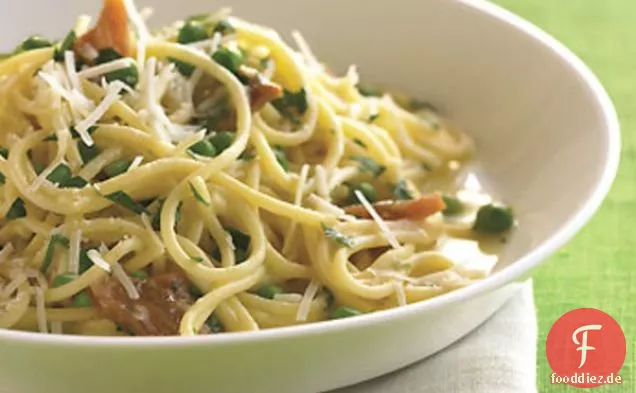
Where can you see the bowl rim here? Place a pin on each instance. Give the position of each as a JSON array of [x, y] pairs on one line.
[[498, 279]]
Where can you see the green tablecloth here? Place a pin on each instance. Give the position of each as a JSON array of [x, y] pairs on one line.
[[598, 268]]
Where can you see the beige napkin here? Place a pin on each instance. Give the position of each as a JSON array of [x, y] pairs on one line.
[[498, 357]]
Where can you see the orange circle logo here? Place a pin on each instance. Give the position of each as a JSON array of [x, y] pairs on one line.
[[586, 348]]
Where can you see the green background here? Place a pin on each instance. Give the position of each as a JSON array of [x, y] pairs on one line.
[[598, 268]]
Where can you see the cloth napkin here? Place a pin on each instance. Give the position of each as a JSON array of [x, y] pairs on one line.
[[497, 357]]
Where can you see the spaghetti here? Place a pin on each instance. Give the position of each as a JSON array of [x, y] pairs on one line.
[[207, 178]]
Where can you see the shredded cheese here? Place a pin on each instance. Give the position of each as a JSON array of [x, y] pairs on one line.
[[390, 237], [129, 286], [74, 252], [112, 95], [136, 162], [105, 68], [71, 73], [99, 261], [305, 303]]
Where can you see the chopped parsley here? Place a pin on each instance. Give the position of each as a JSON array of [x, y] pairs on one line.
[[31, 43], [224, 27], [418, 105], [50, 250], [281, 157], [369, 91], [197, 195], [126, 201], [241, 243], [65, 45], [196, 259], [292, 105], [215, 325], [4, 152], [373, 117], [336, 236], [368, 164], [401, 191], [247, 155], [360, 143]]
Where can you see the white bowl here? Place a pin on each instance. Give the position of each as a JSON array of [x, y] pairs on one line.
[[548, 144]]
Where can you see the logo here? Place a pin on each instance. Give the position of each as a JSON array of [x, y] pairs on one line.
[[586, 348]]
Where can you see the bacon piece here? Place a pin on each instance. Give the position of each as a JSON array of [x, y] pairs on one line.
[[111, 31], [416, 209], [263, 91], [163, 301]]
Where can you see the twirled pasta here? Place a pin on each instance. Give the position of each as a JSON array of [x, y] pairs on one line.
[[107, 168]]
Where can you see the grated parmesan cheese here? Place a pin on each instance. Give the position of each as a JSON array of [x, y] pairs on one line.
[[390, 237], [99, 261], [305, 303], [105, 68], [129, 286], [112, 95], [136, 162], [74, 252], [71, 73]]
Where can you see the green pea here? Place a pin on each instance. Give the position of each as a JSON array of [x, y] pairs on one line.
[[453, 206], [192, 31], [345, 312], [35, 42], [62, 279], [494, 219], [366, 189], [268, 291], [117, 168], [185, 69], [222, 141], [228, 59], [82, 299], [204, 148]]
